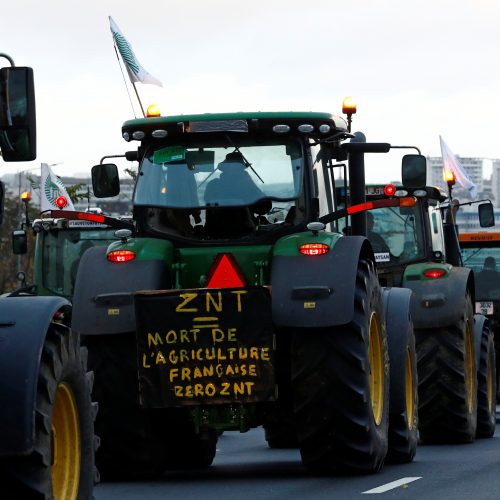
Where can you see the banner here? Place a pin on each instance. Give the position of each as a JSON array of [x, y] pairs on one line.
[[135, 71], [452, 164], [51, 188]]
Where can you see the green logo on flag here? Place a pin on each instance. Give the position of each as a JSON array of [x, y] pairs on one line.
[[52, 189], [126, 52]]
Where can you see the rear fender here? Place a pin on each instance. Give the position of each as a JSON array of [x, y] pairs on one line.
[[24, 322], [103, 301], [440, 302], [397, 303], [317, 291]]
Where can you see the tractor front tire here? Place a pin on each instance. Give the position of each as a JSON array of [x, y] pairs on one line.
[[187, 449], [340, 383], [131, 436]]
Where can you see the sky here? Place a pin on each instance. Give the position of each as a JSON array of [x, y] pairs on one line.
[[417, 70]]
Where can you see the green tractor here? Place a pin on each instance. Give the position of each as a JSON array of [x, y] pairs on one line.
[[234, 301], [47, 440], [417, 247], [62, 237]]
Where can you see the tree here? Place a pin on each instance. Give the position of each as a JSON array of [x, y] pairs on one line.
[[10, 264]]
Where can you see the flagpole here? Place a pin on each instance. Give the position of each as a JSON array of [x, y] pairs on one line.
[[125, 82], [139, 99]]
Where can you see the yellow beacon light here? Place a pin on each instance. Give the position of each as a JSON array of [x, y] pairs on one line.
[[348, 106], [25, 196], [449, 177], [153, 110]]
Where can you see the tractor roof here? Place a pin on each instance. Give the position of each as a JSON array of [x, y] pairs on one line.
[[313, 124]]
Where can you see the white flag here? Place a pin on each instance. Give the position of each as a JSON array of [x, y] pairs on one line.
[[451, 164], [51, 188], [135, 71]]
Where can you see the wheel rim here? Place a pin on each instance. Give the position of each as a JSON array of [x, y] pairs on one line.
[[65, 445], [469, 366], [376, 360], [410, 389]]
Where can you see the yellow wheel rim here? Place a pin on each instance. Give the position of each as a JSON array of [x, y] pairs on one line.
[[410, 389], [65, 445], [469, 366], [376, 360]]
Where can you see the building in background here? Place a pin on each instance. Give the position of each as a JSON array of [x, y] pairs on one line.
[[473, 166]]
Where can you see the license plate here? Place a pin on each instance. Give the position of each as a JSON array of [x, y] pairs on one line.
[[205, 346], [484, 307]]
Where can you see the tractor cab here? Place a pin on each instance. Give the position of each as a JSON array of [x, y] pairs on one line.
[[240, 178]]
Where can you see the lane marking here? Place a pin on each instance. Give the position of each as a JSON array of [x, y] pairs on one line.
[[391, 486]]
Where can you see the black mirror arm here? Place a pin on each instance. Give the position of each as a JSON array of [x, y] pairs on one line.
[[445, 207]]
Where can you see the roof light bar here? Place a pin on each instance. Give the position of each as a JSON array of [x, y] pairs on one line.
[[138, 135], [281, 128], [305, 128]]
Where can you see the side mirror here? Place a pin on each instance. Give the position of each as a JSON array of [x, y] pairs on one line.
[[414, 171], [105, 180], [486, 215], [17, 114], [366, 147], [19, 242]]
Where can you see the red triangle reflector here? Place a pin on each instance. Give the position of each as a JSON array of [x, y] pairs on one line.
[[225, 273]]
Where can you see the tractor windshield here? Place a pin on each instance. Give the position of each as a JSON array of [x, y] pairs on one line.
[[212, 192], [176, 177], [396, 234]]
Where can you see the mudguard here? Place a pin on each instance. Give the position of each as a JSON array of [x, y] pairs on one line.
[[103, 301], [24, 322], [397, 303], [317, 291], [440, 302]]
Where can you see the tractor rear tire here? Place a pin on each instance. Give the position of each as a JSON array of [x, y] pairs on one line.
[[486, 386], [340, 383], [131, 437], [403, 416], [447, 379], [61, 465]]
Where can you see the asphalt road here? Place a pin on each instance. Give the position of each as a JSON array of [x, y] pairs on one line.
[[245, 468]]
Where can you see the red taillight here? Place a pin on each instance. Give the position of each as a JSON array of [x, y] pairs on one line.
[[434, 273], [314, 249], [91, 217], [121, 255], [61, 201], [389, 189]]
